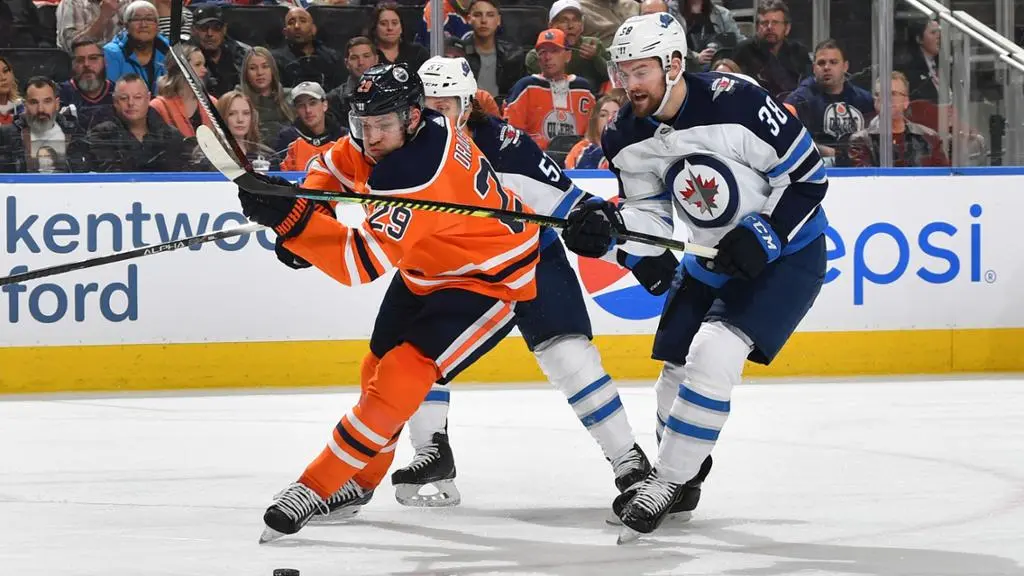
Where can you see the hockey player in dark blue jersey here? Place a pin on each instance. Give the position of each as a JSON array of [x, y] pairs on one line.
[[742, 174], [555, 325]]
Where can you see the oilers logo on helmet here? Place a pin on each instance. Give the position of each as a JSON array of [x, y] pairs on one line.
[[705, 188], [400, 74]]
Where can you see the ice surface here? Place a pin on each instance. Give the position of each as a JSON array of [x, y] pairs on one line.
[[891, 478]]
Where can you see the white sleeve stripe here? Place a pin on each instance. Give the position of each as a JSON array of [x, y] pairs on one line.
[[377, 250], [350, 260]]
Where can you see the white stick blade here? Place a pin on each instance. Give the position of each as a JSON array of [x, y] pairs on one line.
[[217, 154]]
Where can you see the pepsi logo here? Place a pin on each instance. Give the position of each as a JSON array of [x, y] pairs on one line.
[[616, 291]]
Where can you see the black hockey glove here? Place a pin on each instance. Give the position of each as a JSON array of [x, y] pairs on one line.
[[590, 225], [747, 249], [286, 216], [654, 273], [287, 257]]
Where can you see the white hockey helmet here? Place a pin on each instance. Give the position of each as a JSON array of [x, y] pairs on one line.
[[649, 36], [443, 77]]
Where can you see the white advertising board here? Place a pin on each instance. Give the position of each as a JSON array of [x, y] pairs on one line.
[[904, 253]]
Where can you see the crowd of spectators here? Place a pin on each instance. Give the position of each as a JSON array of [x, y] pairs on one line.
[[127, 106]]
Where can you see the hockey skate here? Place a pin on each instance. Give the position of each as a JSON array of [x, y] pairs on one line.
[[630, 468], [644, 507], [686, 503], [433, 465], [291, 510], [343, 504]]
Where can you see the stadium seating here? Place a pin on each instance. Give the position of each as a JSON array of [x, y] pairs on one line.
[[28, 62], [256, 25]]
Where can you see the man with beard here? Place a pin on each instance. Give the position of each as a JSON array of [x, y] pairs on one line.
[[360, 56], [742, 174], [313, 131], [306, 59], [224, 56], [42, 126], [89, 96], [137, 139], [830, 107], [777, 62]]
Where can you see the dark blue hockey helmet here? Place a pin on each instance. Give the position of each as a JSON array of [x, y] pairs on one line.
[[386, 88]]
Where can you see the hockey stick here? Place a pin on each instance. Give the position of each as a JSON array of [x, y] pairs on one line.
[[169, 246], [219, 125], [219, 157]]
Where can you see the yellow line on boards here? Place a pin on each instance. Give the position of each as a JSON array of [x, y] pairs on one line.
[[335, 363]]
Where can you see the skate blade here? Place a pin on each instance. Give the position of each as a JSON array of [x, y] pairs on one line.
[[627, 536], [447, 495], [339, 516], [674, 517], [269, 535]]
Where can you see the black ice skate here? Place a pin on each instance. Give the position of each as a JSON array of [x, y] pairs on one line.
[[630, 468], [343, 504], [684, 506], [644, 507], [291, 510], [433, 465]]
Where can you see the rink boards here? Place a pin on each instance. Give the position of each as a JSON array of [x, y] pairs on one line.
[[925, 275]]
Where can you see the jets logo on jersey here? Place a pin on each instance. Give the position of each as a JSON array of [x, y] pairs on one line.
[[842, 119], [509, 136], [705, 188], [721, 86]]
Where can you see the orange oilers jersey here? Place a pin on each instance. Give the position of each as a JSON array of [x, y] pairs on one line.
[[432, 250], [545, 109]]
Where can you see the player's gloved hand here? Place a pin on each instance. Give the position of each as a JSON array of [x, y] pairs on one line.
[[590, 225], [287, 216], [747, 249], [654, 273], [287, 257]]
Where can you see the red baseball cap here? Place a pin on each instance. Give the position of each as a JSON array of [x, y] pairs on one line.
[[552, 37]]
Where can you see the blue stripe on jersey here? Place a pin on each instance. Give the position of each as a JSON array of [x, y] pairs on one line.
[[548, 236], [590, 389], [796, 154], [819, 175], [703, 401], [602, 413], [568, 202], [438, 396], [686, 429]]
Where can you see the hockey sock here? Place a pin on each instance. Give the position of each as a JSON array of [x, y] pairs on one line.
[[395, 390], [573, 365], [701, 405], [431, 417]]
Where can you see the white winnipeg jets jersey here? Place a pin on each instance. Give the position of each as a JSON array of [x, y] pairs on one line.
[[732, 150]]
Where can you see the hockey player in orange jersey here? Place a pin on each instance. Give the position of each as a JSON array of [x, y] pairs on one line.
[[460, 276]]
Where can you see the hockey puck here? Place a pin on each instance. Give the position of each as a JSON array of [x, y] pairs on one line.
[[286, 572]]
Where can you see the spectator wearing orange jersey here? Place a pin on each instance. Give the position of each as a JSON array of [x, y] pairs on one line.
[[312, 132], [551, 103]]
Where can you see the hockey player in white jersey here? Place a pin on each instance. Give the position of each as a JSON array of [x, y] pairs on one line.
[[743, 174], [555, 325]]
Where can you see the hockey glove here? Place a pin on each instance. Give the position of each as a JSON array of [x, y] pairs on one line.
[[654, 273], [589, 228], [747, 249], [286, 216]]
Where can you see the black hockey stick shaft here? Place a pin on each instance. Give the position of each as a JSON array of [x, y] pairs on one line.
[[248, 181], [169, 246]]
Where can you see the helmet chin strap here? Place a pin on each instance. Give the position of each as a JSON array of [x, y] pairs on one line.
[[669, 84], [464, 110]]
